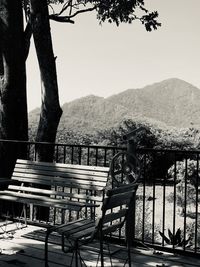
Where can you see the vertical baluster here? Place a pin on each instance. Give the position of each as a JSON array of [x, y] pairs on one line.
[[35, 154], [79, 155], [105, 158], [56, 153], [28, 151], [174, 203], [144, 196], [96, 157], [72, 155], [153, 212], [197, 200], [64, 154], [163, 217], [185, 201], [88, 155]]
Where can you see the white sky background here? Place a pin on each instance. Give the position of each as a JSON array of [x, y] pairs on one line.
[[105, 60]]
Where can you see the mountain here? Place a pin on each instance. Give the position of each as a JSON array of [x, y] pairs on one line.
[[173, 102]]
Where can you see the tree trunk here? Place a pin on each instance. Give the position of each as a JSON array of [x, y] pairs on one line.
[[50, 109], [13, 101]]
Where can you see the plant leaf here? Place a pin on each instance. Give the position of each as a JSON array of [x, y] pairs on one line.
[[167, 240], [178, 237], [171, 236]]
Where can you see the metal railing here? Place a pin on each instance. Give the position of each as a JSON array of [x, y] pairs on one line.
[[67, 153], [167, 209], [167, 201]]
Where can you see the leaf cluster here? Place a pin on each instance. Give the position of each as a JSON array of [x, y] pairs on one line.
[[112, 11], [119, 11], [175, 239]]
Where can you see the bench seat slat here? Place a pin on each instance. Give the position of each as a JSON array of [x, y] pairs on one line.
[[66, 174], [72, 166], [53, 192], [58, 179], [65, 184], [47, 200], [76, 183], [63, 170], [38, 202]]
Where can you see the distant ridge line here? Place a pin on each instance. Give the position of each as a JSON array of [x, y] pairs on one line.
[[173, 102]]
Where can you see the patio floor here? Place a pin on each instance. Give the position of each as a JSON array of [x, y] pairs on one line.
[[25, 247]]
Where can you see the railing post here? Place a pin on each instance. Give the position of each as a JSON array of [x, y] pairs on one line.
[[131, 146], [131, 149], [130, 223]]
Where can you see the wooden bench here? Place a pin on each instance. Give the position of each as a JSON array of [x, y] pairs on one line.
[[71, 187]]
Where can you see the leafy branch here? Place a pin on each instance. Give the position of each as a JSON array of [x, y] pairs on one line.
[[113, 11]]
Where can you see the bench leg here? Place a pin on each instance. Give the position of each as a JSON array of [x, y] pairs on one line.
[[25, 214], [31, 212], [62, 216]]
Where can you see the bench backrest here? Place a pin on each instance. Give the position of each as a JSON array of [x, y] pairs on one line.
[[58, 174]]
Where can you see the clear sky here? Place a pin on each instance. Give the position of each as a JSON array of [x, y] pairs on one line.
[[105, 60]]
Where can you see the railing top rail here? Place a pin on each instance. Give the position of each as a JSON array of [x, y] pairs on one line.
[[62, 144], [185, 151], [139, 150]]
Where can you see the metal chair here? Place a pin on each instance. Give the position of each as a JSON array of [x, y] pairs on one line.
[[115, 210]]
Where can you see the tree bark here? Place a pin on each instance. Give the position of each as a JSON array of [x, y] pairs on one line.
[[50, 109], [13, 101]]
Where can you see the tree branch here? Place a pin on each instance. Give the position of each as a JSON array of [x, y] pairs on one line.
[[58, 18], [82, 11], [66, 6]]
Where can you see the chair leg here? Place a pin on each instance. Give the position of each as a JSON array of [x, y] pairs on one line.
[[46, 248], [98, 260], [129, 255], [76, 254], [101, 252], [71, 263], [63, 243], [110, 254]]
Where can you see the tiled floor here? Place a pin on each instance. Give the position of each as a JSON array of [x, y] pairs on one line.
[[25, 247]]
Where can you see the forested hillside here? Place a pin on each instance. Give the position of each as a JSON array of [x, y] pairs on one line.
[[171, 108]]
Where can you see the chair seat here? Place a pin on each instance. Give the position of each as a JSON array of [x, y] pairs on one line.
[[76, 229]]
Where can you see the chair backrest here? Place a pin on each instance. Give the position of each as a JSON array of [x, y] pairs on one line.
[[115, 208]]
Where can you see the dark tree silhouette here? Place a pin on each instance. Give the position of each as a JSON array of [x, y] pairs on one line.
[[13, 105], [50, 110]]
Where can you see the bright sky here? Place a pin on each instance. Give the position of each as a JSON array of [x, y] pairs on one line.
[[105, 60]]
